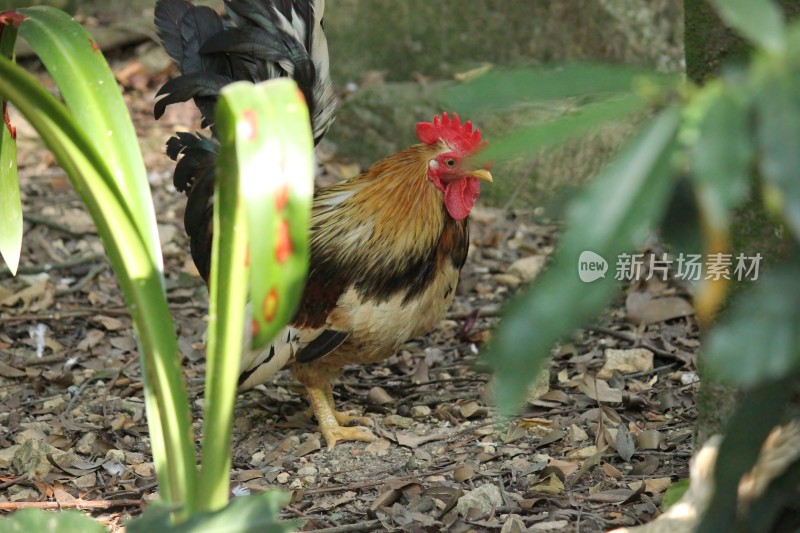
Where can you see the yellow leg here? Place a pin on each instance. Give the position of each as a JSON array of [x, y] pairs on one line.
[[329, 419]]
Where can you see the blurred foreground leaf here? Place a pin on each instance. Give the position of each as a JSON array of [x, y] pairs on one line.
[[720, 152], [36, 520], [10, 203], [262, 199], [503, 88], [246, 514], [778, 109], [612, 215], [538, 136], [673, 494], [769, 346], [760, 21]]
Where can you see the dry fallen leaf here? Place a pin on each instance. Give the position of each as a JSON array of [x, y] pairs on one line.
[[657, 485], [599, 390], [642, 308], [379, 447], [626, 362], [379, 396], [611, 471], [385, 499], [552, 485], [110, 323], [463, 473], [650, 439], [624, 443]]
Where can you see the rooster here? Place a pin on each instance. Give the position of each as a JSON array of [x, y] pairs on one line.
[[387, 246]]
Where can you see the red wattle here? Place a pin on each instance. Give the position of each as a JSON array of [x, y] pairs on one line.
[[460, 196]]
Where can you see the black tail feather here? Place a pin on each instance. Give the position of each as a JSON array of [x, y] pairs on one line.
[[265, 39], [259, 40]]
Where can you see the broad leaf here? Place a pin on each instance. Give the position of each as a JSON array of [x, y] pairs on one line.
[[758, 412], [720, 151], [29, 520], [262, 210], [673, 494], [767, 511], [759, 339], [613, 214], [131, 252], [503, 88], [90, 91], [760, 21], [778, 107], [275, 161], [247, 514], [10, 203], [539, 136]]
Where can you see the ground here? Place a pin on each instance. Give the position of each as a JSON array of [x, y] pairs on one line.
[[603, 434]]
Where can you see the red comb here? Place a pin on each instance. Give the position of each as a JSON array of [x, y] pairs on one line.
[[458, 136]]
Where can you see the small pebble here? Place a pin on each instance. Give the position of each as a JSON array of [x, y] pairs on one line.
[[54, 404], [509, 280], [116, 455], [420, 411], [398, 421], [282, 478], [309, 470]]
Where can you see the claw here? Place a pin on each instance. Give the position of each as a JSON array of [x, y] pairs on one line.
[[332, 422], [348, 418], [334, 434]]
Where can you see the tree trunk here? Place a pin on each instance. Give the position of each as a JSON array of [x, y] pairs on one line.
[[708, 46]]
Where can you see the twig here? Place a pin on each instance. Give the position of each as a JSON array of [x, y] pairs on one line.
[[60, 315], [103, 374], [488, 311], [349, 528], [45, 360], [11, 482], [635, 340], [47, 267], [52, 224], [74, 504], [376, 482], [84, 281]]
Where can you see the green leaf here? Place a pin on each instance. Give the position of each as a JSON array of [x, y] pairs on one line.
[[769, 508], [674, 493], [758, 412], [90, 91], [29, 520], [138, 270], [275, 154], [760, 21], [503, 88], [262, 208], [530, 139], [613, 214], [720, 151], [10, 202], [246, 514], [778, 128], [759, 338]]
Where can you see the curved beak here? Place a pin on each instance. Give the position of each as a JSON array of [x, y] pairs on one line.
[[481, 174]]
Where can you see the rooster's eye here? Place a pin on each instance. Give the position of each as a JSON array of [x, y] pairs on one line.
[[450, 162]]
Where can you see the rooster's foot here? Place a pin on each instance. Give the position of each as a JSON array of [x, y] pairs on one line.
[[348, 418], [331, 421], [336, 433]]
